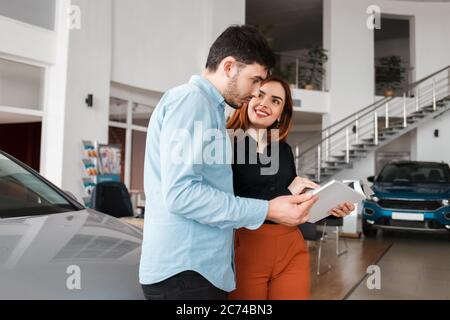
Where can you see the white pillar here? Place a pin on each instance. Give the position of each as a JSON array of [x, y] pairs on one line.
[[52, 141]]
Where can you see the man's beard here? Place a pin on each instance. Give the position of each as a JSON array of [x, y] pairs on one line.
[[232, 95]]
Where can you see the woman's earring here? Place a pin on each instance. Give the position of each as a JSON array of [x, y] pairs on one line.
[[278, 124]]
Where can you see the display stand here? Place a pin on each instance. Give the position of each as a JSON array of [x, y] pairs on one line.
[[101, 163]]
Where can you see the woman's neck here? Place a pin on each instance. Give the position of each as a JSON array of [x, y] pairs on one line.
[[260, 136]]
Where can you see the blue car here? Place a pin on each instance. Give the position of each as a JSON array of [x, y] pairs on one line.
[[409, 195]]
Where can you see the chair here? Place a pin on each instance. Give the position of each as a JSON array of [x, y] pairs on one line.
[[310, 233], [338, 223], [112, 198]]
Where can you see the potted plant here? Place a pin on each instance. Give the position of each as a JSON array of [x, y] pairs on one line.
[[288, 73], [389, 74], [312, 70]]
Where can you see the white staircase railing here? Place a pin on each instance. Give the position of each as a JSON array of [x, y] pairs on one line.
[[346, 139]]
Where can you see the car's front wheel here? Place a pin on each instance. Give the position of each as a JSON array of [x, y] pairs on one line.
[[368, 230]]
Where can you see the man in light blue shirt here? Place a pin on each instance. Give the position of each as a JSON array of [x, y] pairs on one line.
[[191, 212]]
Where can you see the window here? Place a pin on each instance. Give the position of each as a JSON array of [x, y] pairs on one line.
[[39, 13], [415, 173], [128, 128], [23, 194]]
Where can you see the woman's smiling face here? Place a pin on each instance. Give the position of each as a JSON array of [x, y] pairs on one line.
[[268, 106]]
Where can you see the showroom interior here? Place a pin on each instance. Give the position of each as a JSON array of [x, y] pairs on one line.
[[370, 79]]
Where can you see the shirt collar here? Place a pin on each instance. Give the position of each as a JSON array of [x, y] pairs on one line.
[[212, 92]]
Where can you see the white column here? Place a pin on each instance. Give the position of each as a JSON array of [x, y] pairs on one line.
[[52, 141]]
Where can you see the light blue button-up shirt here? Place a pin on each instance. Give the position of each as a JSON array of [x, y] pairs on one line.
[[191, 211]]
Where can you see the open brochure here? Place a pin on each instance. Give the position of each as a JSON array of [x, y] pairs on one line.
[[330, 196]]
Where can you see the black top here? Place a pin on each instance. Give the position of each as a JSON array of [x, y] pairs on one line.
[[250, 181]]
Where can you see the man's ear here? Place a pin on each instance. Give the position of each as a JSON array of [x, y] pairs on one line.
[[228, 64]]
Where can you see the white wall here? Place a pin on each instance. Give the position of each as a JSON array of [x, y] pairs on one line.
[[53, 122], [312, 101], [159, 44], [88, 72], [360, 171], [351, 62], [350, 68], [351, 47], [430, 148]]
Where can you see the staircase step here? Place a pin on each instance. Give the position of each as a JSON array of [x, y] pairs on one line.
[[429, 109], [381, 137], [390, 131], [329, 171], [358, 152], [358, 146], [341, 164], [387, 132], [342, 158], [313, 176], [335, 162]]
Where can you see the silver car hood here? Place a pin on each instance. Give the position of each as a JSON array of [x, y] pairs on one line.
[[74, 255]]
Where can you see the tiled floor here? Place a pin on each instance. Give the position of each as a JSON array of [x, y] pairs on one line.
[[417, 266]]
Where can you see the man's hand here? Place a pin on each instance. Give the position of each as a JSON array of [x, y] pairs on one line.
[[291, 210], [342, 210]]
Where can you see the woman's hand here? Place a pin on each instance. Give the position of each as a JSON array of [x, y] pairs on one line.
[[299, 185], [342, 210]]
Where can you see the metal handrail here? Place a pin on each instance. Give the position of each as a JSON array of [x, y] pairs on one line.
[[377, 103], [406, 89], [394, 107]]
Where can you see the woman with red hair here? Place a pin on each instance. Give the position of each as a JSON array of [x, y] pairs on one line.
[[271, 262]]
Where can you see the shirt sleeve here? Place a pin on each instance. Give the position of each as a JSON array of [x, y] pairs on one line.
[[184, 188]]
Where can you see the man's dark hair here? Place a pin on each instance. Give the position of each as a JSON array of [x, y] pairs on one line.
[[244, 43]]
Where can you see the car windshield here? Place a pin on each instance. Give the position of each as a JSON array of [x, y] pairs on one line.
[[415, 173], [23, 194]]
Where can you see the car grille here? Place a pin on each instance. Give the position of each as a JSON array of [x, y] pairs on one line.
[[410, 204], [427, 224], [409, 224]]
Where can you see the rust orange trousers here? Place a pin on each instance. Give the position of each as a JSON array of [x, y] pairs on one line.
[[272, 263]]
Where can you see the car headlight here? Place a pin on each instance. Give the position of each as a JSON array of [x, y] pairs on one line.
[[374, 198], [445, 202]]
